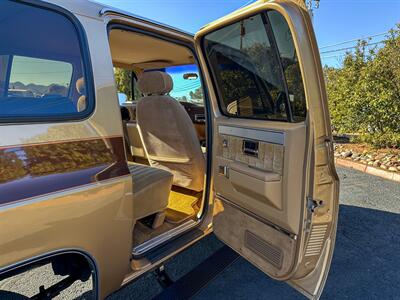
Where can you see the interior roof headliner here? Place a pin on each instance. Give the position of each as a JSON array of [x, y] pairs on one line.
[[145, 52]]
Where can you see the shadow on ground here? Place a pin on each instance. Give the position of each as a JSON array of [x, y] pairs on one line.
[[365, 265], [366, 262]]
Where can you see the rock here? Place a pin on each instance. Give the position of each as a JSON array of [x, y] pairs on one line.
[[393, 169], [376, 163], [370, 163], [355, 155], [357, 159], [398, 168], [383, 167], [346, 154]]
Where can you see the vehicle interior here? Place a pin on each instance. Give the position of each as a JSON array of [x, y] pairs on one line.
[[162, 109]]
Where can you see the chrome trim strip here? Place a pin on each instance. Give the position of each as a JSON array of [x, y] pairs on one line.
[[269, 136], [154, 242], [258, 218], [123, 13]]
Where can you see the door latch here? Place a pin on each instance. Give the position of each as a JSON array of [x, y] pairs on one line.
[[314, 204]]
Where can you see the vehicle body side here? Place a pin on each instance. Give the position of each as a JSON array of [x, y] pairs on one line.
[[59, 214]]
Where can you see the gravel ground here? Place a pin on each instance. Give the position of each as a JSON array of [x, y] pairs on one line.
[[365, 264]]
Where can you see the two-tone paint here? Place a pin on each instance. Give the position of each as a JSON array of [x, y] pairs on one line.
[[67, 183]]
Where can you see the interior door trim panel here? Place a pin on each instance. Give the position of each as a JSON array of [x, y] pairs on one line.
[[268, 136], [277, 170], [257, 217], [273, 250]]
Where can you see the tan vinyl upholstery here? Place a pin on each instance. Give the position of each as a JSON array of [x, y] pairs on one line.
[[80, 87], [151, 187], [136, 144], [167, 132]]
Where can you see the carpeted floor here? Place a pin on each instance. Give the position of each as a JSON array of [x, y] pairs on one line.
[[183, 205]]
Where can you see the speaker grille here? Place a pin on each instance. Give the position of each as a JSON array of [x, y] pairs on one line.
[[316, 241], [263, 249]]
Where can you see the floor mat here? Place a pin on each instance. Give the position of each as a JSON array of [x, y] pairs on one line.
[[182, 205]]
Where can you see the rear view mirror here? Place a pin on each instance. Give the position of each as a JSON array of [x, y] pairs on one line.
[[190, 76]]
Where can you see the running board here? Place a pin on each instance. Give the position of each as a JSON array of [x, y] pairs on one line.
[[191, 283]]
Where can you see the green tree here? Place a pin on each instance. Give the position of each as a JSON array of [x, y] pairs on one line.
[[364, 94], [123, 80], [197, 94]]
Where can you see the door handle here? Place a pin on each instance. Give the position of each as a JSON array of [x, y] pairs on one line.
[[250, 148]]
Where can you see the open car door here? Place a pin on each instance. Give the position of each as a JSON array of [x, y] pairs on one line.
[[274, 180]]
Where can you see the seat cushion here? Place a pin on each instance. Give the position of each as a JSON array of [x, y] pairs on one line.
[[151, 188]]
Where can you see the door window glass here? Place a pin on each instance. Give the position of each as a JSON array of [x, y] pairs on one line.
[[248, 69], [290, 64]]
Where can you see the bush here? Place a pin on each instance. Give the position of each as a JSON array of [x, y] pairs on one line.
[[364, 94]]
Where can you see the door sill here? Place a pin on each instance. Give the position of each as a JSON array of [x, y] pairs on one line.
[[143, 248]]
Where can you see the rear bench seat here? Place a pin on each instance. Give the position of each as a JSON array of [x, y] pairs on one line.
[[151, 188]]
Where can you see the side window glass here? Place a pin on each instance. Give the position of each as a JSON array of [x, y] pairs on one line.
[[256, 70], [42, 70], [35, 81], [290, 64], [247, 70]]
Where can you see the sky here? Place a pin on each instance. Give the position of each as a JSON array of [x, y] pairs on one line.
[[40, 71], [335, 21]]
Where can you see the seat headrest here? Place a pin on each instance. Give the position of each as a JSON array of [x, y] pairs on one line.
[[80, 86], [155, 83]]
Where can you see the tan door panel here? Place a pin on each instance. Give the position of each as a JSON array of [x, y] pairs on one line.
[[269, 249], [269, 183], [272, 146], [260, 190]]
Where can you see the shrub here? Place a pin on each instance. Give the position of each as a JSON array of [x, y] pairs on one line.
[[364, 94]]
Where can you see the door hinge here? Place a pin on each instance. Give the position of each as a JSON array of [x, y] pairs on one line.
[[314, 204]]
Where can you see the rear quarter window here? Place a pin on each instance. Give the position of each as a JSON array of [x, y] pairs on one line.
[[43, 65]]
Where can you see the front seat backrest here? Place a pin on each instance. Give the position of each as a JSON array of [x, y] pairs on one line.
[[167, 132]]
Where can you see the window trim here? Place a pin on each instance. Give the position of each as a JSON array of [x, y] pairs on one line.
[[86, 70], [8, 74], [270, 34]]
